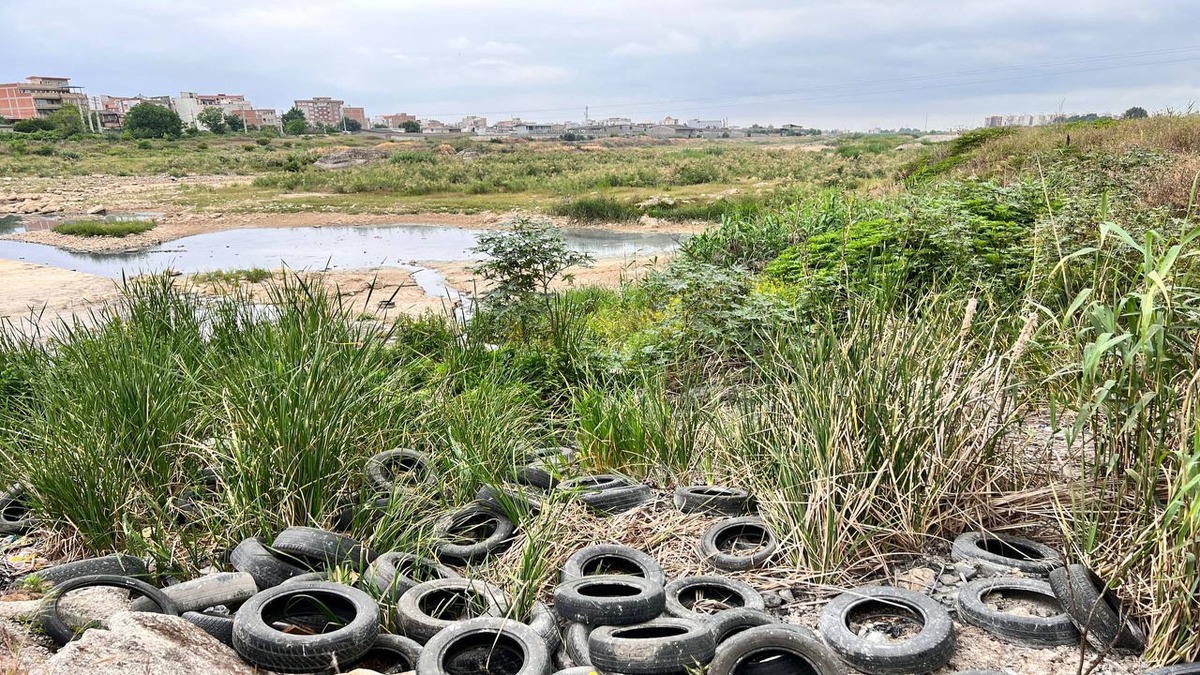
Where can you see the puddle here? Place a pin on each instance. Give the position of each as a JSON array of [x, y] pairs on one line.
[[11, 225]]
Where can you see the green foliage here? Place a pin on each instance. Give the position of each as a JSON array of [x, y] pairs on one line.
[[596, 210], [235, 123], [1135, 113], [104, 228], [524, 258], [351, 124], [295, 127], [411, 126], [941, 160], [68, 121], [291, 115], [33, 125], [212, 118]]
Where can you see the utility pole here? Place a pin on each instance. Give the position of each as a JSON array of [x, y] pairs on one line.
[[586, 115]]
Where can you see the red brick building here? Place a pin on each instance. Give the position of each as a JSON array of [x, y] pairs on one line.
[[38, 96], [321, 110], [357, 114]]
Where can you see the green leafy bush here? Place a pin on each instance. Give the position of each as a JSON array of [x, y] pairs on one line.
[[104, 228]]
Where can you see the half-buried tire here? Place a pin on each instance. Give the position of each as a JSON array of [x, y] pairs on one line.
[[485, 646]]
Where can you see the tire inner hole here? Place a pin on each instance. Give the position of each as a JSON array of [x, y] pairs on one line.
[[14, 511], [608, 590], [711, 492], [399, 468], [594, 482], [649, 632], [707, 599], [1021, 603], [385, 660], [484, 654], [1015, 551], [473, 528], [880, 622], [775, 660], [611, 564], [417, 570], [742, 540], [308, 613], [452, 605]]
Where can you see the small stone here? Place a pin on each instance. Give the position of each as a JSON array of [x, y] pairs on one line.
[[97, 211], [965, 571], [788, 596], [772, 600], [916, 579], [949, 579]]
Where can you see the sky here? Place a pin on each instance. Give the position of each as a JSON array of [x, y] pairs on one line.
[[847, 64]]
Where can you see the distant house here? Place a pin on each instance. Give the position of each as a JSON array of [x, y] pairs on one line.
[[707, 124], [38, 96], [321, 110], [188, 105], [114, 108]]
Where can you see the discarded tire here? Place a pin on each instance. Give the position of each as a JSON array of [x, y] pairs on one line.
[[61, 633], [323, 549], [472, 534], [1002, 553], [930, 649], [509, 501], [430, 607], [616, 500], [268, 569], [698, 598], [117, 564], [226, 588], [544, 467], [313, 605], [1026, 629], [391, 654], [730, 622], [612, 559], [712, 499], [1096, 611], [391, 469], [665, 645], [773, 649], [485, 645], [736, 544], [575, 643], [609, 600], [220, 626], [596, 483], [14, 512], [391, 574], [544, 622], [1178, 669]]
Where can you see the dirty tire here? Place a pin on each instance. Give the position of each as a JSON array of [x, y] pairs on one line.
[[392, 654], [612, 559], [594, 483], [575, 643], [1096, 611], [730, 622], [509, 501], [262, 645], [310, 576], [253, 557], [472, 646], [1178, 669], [774, 649], [617, 500], [609, 600], [544, 622], [391, 469], [712, 499], [224, 588], [323, 549], [117, 564], [220, 626], [14, 512], [682, 594], [664, 645], [421, 611], [729, 532], [496, 530], [927, 651], [1034, 631], [61, 633], [393, 573], [1002, 553]]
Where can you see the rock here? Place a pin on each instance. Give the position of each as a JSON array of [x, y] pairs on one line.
[[772, 600], [97, 211], [141, 643], [19, 609], [916, 579], [788, 596], [966, 571], [949, 579]]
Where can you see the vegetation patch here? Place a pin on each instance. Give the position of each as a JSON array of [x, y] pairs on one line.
[[105, 228]]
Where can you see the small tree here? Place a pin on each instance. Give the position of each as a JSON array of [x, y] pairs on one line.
[[524, 258], [411, 126], [147, 120], [1136, 113], [237, 123], [293, 113], [213, 119], [296, 127], [351, 124], [68, 120]]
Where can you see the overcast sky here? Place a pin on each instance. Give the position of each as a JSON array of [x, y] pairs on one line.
[[823, 63]]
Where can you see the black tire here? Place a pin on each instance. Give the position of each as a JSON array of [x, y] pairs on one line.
[[594, 483], [1096, 611], [220, 626], [730, 533], [617, 500], [61, 633], [712, 499], [1002, 553], [774, 649], [612, 559], [393, 573], [485, 645], [473, 534], [927, 651], [685, 592], [575, 643], [1034, 631], [253, 557], [730, 622], [391, 469], [544, 622], [117, 564], [224, 588], [609, 600], [664, 645], [576, 670], [14, 511], [311, 576], [429, 607], [261, 644], [391, 654], [1178, 669], [536, 474], [323, 549], [510, 501]]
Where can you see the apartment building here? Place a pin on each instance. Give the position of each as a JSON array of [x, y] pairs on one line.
[[111, 110], [38, 96], [321, 110], [190, 104], [357, 114], [397, 120]]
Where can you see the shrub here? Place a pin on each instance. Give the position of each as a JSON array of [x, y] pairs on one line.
[[596, 210], [104, 228], [262, 141], [524, 258]]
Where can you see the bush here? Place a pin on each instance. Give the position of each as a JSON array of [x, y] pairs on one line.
[[43, 150], [149, 120], [104, 228], [144, 145], [262, 141], [33, 125], [524, 258], [596, 210]]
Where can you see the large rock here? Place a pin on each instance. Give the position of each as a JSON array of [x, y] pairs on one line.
[[141, 643]]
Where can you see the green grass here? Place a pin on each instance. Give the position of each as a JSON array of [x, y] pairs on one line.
[[104, 228], [252, 275]]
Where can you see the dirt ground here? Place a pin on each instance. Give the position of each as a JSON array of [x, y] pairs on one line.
[[40, 293]]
